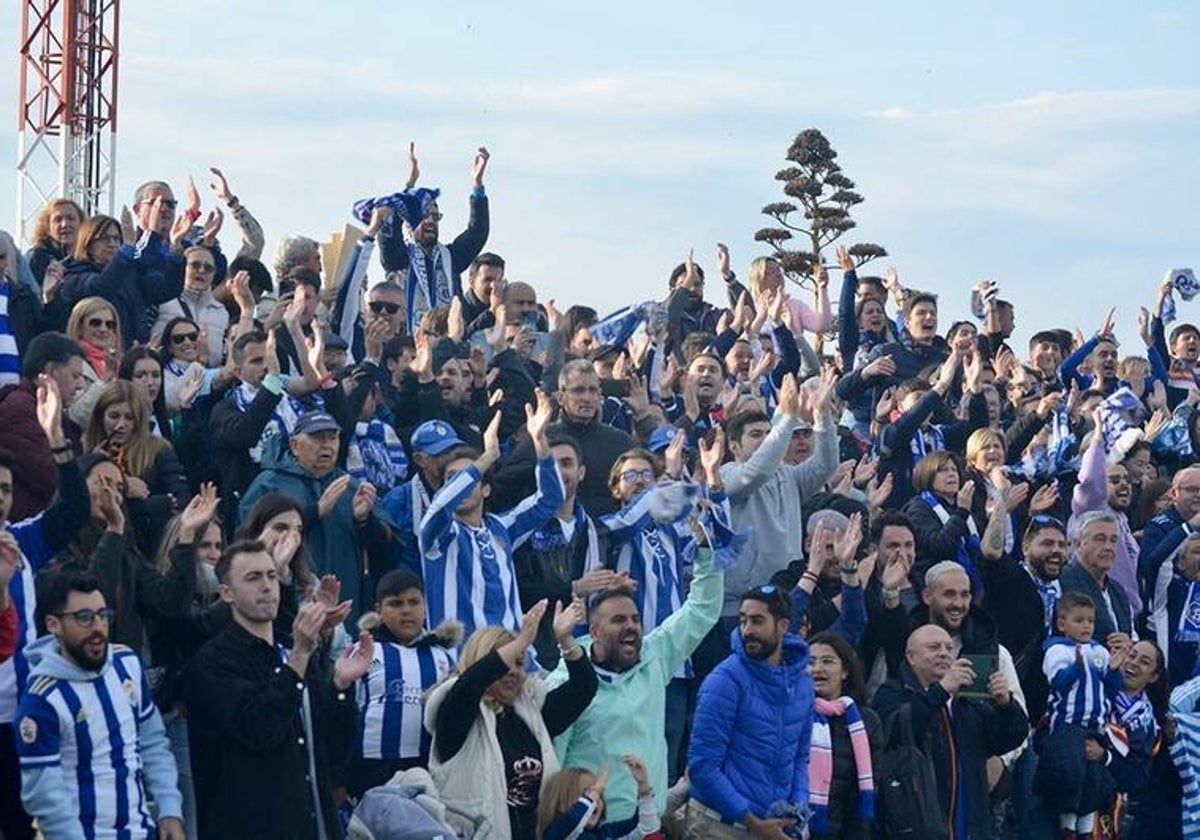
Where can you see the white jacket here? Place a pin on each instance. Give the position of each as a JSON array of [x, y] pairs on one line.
[[473, 781]]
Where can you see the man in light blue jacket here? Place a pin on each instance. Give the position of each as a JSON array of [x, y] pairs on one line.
[[87, 702]]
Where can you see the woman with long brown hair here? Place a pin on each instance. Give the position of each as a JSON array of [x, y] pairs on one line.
[[54, 236], [154, 482]]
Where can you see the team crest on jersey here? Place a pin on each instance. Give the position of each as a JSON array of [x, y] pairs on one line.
[[28, 729], [395, 689], [130, 688], [1098, 658], [80, 716]]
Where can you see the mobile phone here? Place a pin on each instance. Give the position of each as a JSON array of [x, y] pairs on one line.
[[984, 665], [614, 388]]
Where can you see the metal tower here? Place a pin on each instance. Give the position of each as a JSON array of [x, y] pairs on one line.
[[67, 120]]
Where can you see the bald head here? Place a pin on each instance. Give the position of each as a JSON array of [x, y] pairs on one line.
[[519, 298], [930, 653]]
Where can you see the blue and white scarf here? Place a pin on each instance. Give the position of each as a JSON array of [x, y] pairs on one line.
[[426, 289], [283, 419], [1120, 413], [410, 206], [1062, 441], [1049, 591], [1185, 752], [968, 547], [921, 446], [10, 361], [615, 329], [1189, 617], [1183, 281], [376, 455]]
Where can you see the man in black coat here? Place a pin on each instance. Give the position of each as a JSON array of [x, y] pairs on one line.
[[263, 719], [1096, 551], [579, 417], [959, 735]]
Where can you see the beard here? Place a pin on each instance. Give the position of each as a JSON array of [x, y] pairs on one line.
[[757, 648], [84, 657]]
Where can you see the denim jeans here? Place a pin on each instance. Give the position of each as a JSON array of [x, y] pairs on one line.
[[178, 734]]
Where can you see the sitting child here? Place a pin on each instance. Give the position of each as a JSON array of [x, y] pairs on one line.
[[572, 806]]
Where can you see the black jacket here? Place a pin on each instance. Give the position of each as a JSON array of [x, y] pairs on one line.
[[1075, 578], [976, 731], [601, 445], [249, 750], [844, 822], [1020, 624]]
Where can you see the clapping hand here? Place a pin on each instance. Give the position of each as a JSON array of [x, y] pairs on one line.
[[199, 512], [566, 620], [355, 662]]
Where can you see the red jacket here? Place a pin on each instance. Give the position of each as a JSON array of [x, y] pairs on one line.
[[8, 632], [35, 477]]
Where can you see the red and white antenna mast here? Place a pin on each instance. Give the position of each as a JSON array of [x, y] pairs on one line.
[[67, 123]]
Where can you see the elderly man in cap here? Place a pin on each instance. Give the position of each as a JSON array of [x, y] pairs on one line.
[[339, 513], [432, 444]]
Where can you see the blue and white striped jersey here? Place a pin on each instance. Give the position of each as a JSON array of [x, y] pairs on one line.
[[656, 555], [469, 573], [91, 730], [35, 553], [391, 699], [1079, 695]]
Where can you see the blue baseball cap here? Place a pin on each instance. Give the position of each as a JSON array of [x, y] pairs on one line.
[[316, 421], [661, 438], [434, 437]]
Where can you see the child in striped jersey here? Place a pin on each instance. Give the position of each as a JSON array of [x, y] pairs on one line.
[[407, 662], [1084, 679]]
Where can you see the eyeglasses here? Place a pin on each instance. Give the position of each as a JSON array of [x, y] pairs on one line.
[[169, 203], [633, 475], [583, 390], [86, 618], [180, 338], [202, 267], [380, 307], [108, 238], [97, 323]]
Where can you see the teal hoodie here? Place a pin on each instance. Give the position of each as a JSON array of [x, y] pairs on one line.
[[47, 744], [628, 714]]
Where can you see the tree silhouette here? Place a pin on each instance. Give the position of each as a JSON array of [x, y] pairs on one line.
[[825, 195]]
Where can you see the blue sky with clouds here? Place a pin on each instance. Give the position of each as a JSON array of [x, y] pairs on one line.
[[1048, 146]]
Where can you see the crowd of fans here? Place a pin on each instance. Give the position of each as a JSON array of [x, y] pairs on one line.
[[301, 550]]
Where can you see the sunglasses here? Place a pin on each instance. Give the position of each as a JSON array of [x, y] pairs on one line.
[[86, 618], [380, 307], [180, 338], [633, 475], [97, 323], [1039, 521]]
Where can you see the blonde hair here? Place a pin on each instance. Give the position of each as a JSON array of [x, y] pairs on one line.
[[86, 308], [979, 439], [756, 273], [141, 448], [41, 230], [559, 794], [483, 641]]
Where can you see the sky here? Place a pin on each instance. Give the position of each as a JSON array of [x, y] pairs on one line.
[[1050, 147]]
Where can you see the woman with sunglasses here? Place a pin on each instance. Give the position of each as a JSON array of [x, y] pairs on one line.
[[846, 740], [186, 376], [132, 278], [155, 486], [197, 303], [95, 326]]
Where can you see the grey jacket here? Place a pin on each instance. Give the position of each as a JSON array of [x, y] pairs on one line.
[[765, 497]]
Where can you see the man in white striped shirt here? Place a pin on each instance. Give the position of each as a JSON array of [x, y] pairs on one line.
[[90, 740]]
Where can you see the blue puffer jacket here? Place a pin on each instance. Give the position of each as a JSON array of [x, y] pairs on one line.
[[751, 732]]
